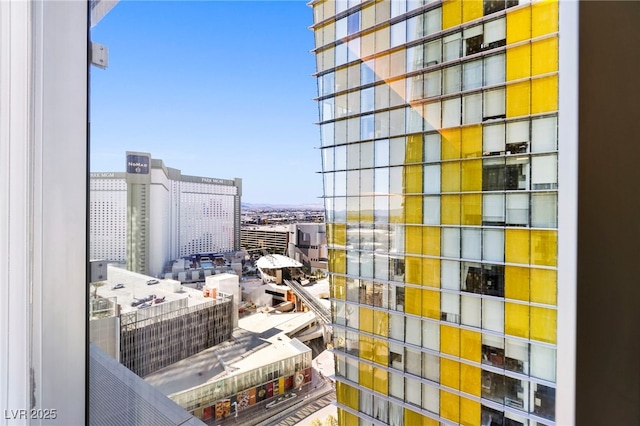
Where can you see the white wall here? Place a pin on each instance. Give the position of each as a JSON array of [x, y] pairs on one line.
[[43, 175]]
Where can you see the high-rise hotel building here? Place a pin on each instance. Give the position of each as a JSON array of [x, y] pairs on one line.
[[439, 137], [152, 214]]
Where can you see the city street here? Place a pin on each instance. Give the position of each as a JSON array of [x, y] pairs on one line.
[[258, 414]]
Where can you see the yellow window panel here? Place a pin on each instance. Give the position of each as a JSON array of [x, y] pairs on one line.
[[469, 412], [430, 304], [471, 137], [415, 419], [544, 56], [517, 246], [449, 406], [347, 419], [518, 25], [450, 373], [518, 62], [431, 241], [451, 13], [413, 301], [431, 272], [470, 345], [347, 395], [380, 323], [544, 18], [339, 234], [451, 143], [380, 381], [450, 209], [450, 340], [470, 379], [518, 99], [543, 324], [516, 319], [366, 347], [471, 179], [339, 262], [365, 375], [414, 149], [472, 9], [413, 270], [380, 352], [413, 208], [544, 248], [516, 283], [330, 235], [413, 239], [544, 94], [471, 209], [413, 179], [365, 316], [450, 180], [339, 287], [544, 286]]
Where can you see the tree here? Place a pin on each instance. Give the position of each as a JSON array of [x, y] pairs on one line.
[[331, 420]]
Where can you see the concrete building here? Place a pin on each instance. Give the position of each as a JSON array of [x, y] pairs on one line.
[[447, 135], [262, 362], [177, 322], [152, 214], [271, 238], [308, 245]]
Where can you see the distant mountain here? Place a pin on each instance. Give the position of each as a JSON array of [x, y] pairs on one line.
[[251, 206]]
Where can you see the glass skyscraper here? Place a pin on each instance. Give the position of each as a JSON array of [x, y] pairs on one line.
[[439, 139]]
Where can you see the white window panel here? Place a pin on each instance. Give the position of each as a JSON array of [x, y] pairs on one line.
[[452, 46], [495, 30], [472, 75], [431, 398], [433, 52], [431, 335], [543, 362], [494, 104], [493, 138], [493, 315], [432, 116], [432, 148], [433, 84], [472, 109], [431, 210], [494, 69], [433, 21], [451, 113], [450, 246], [451, 81], [471, 311], [398, 33], [450, 274], [544, 172], [412, 331], [544, 210], [518, 132], [544, 134], [518, 209], [493, 245], [472, 243], [432, 179]]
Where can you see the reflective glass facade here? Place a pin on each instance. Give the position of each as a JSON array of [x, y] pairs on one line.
[[439, 140]]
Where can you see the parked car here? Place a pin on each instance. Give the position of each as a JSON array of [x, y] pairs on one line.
[[144, 305], [159, 299], [117, 286], [151, 282], [136, 302], [149, 298]]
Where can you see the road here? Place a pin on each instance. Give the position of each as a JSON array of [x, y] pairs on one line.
[[314, 395]]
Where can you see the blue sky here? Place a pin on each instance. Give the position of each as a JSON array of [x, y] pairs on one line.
[[214, 88]]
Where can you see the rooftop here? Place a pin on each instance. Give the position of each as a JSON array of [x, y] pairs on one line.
[[262, 339]]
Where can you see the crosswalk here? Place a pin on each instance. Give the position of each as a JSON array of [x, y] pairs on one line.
[[306, 411]]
